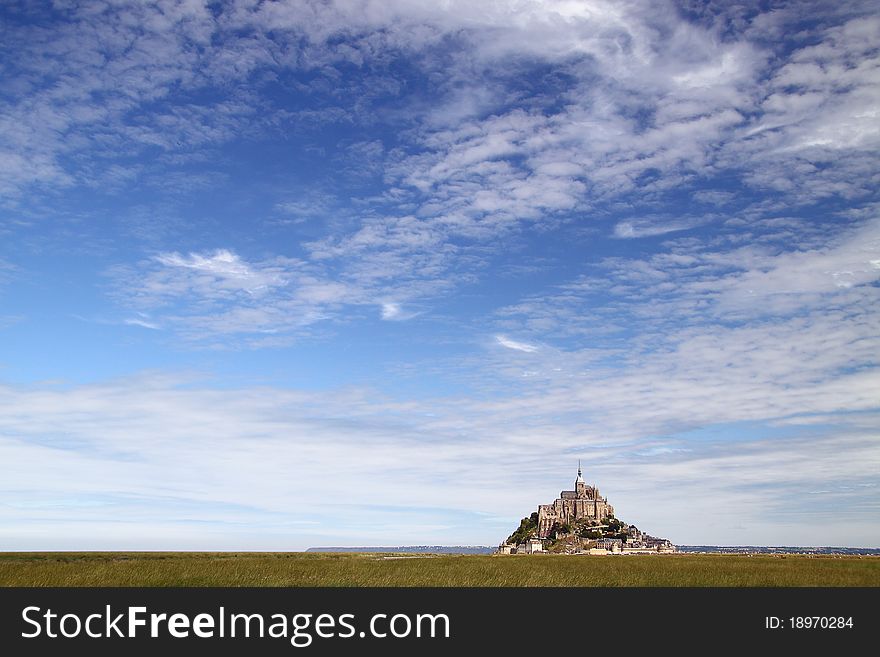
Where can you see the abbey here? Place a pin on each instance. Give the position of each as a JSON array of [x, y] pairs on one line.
[[580, 521], [582, 503]]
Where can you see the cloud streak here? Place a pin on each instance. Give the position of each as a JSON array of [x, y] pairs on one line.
[[515, 345]]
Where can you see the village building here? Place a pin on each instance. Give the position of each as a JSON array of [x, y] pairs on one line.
[[531, 546]]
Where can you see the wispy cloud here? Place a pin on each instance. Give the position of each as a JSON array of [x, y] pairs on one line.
[[652, 102], [714, 336], [516, 345], [650, 227], [394, 312], [390, 310], [134, 321], [644, 103], [223, 265], [160, 449], [206, 295]]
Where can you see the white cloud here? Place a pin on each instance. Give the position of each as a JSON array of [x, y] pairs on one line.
[[221, 262], [515, 345], [649, 227], [394, 312], [134, 321], [227, 269], [390, 310]]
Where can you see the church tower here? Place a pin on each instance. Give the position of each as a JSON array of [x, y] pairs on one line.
[[580, 486]]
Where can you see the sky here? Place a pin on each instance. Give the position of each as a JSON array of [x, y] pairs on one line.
[[286, 274]]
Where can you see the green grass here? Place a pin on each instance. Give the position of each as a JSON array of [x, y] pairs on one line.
[[323, 569]]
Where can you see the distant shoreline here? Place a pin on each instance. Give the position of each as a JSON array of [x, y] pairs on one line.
[[686, 549], [764, 549], [412, 549]]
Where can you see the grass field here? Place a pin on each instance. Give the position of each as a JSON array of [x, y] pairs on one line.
[[323, 569]]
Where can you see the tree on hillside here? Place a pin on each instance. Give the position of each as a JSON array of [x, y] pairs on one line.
[[559, 529], [527, 527], [613, 524], [590, 533]]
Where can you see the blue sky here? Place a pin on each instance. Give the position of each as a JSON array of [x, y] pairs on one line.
[[282, 274]]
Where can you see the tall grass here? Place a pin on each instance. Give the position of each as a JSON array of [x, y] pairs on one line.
[[323, 569]]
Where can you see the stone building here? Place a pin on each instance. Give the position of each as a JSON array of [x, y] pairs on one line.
[[531, 546], [582, 503]]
